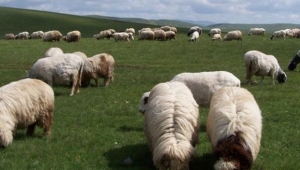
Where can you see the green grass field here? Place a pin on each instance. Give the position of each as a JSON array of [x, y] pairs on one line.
[[100, 127]]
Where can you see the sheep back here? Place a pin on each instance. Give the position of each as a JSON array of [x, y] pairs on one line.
[[53, 51]]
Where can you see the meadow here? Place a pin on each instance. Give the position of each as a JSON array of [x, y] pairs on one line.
[[100, 127]]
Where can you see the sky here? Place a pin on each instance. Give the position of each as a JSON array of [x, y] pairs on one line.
[[216, 11]]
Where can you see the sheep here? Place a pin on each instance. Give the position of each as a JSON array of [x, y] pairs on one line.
[[193, 29], [233, 35], [293, 63], [53, 35], [214, 31], [22, 35], [122, 36], [9, 36], [204, 84], [171, 125], [98, 66], [217, 37], [24, 104], [166, 28], [256, 31], [130, 30], [53, 51], [170, 35], [146, 35], [260, 64], [72, 36], [296, 32], [160, 35], [144, 29], [195, 36], [104, 34], [36, 35], [234, 128], [174, 29], [278, 34], [64, 69], [80, 54]]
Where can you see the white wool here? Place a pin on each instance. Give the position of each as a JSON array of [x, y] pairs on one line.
[[53, 51], [223, 165]]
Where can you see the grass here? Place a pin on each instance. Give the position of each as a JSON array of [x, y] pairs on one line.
[[100, 127]]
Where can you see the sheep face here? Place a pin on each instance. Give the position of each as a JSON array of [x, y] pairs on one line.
[[281, 78], [144, 102], [293, 64], [233, 154]]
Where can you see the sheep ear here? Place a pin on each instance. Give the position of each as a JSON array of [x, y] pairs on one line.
[[146, 100]]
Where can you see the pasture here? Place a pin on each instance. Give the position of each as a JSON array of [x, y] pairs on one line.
[[100, 127]]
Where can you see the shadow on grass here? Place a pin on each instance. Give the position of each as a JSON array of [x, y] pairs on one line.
[[131, 128], [142, 158]]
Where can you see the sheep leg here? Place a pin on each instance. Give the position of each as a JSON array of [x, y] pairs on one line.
[[106, 81], [261, 80], [74, 78], [48, 123], [30, 129]]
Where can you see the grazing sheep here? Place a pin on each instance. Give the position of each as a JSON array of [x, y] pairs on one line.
[[170, 35], [160, 35], [296, 32], [174, 29], [9, 36], [260, 64], [217, 37], [130, 30], [37, 35], [53, 35], [122, 36], [278, 34], [214, 31], [144, 29], [171, 125], [293, 63], [72, 36], [64, 69], [233, 35], [25, 104], [146, 35], [22, 35], [80, 54], [234, 128], [166, 28], [204, 84], [53, 51], [256, 31], [98, 66], [195, 36], [193, 29], [104, 34]]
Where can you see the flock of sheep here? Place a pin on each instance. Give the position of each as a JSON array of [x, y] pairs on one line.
[[170, 108]]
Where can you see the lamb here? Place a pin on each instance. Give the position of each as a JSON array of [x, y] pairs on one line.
[[256, 31], [37, 35], [204, 84], [233, 35], [98, 66], [278, 34], [160, 35], [193, 29], [234, 128], [217, 37], [72, 36], [214, 31], [260, 64], [53, 51], [293, 63], [146, 35], [64, 69], [25, 104], [171, 125], [170, 35], [53, 35], [9, 36], [195, 36]]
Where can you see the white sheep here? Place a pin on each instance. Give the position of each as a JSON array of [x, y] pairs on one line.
[[233, 35], [80, 54], [195, 36], [22, 35], [146, 35], [9, 36], [64, 69], [260, 64], [53, 51], [122, 36], [296, 32], [217, 37], [193, 29], [214, 31], [130, 30], [256, 31], [159, 35], [278, 34], [72, 36], [234, 128], [98, 66], [25, 104], [53, 35], [36, 35], [204, 84], [171, 125], [170, 35], [104, 34]]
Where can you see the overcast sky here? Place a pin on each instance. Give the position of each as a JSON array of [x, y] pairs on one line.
[[217, 11]]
